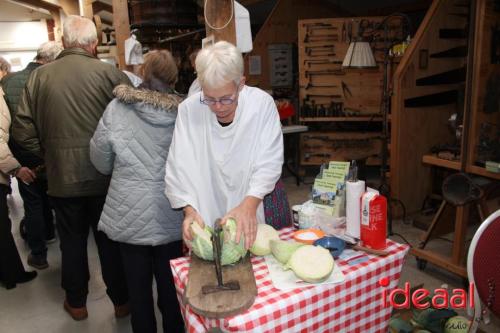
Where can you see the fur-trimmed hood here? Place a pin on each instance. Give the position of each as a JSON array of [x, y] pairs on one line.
[[152, 106]]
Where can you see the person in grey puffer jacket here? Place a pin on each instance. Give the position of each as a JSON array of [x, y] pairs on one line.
[[131, 143]]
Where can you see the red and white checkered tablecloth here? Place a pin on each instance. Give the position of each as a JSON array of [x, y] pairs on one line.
[[354, 305]]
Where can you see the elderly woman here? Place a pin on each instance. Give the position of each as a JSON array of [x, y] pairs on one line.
[[11, 267], [132, 142], [227, 150], [4, 67]]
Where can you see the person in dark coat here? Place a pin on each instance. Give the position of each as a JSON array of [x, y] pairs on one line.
[[57, 114], [11, 267], [38, 219]]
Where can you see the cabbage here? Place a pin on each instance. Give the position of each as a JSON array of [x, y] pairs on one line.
[[203, 248], [457, 324], [265, 233], [202, 241], [231, 251], [311, 263], [283, 250]]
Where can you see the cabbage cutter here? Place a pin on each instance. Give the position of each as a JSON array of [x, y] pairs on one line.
[[206, 292]]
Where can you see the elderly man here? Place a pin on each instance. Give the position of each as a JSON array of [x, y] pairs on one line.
[[32, 181], [57, 115]]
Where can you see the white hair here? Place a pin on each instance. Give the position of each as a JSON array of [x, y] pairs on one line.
[[48, 51], [219, 64], [78, 31]]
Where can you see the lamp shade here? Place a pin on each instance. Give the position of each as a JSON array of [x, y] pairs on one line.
[[359, 55]]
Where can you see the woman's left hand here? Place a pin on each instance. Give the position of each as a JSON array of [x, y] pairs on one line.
[[245, 215]]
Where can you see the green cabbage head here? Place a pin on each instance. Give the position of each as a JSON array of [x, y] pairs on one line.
[[203, 248]]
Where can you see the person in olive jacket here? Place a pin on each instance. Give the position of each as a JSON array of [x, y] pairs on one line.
[[57, 115]]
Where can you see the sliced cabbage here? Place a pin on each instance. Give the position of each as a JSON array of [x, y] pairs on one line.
[[231, 251], [283, 250], [311, 263], [202, 241], [265, 233]]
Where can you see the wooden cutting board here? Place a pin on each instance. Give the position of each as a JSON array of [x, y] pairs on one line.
[[224, 303]]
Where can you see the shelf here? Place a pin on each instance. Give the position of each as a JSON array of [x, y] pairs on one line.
[[434, 160], [455, 165], [480, 171], [318, 119]]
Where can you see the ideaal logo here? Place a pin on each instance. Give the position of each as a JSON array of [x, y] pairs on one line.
[[419, 297]]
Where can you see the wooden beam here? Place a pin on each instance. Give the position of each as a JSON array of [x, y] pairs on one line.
[[88, 11], [41, 4], [122, 29], [98, 6], [218, 13]]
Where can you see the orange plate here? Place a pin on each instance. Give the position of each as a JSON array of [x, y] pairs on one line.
[[300, 234]]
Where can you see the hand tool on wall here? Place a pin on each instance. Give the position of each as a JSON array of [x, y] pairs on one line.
[[324, 138], [311, 96], [325, 72], [308, 156], [329, 48], [320, 38], [312, 147], [310, 85], [316, 24], [345, 90], [343, 32], [309, 62]]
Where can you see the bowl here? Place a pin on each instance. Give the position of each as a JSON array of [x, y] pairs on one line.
[[331, 243], [308, 236]]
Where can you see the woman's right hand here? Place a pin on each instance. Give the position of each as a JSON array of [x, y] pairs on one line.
[[190, 215]]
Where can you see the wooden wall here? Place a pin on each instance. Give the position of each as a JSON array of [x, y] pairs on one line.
[[416, 129], [281, 27]]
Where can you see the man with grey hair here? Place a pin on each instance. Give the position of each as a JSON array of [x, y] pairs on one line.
[[56, 118], [38, 224]]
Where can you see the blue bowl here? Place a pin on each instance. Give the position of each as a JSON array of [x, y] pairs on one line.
[[331, 243]]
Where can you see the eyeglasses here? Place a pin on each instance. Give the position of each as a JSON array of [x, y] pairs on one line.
[[222, 100]]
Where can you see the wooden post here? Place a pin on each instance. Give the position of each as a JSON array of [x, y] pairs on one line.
[[88, 12], [122, 29], [217, 14]]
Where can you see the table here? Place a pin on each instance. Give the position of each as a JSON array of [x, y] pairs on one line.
[[292, 131], [354, 305]]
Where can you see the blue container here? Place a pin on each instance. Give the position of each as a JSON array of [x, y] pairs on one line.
[[331, 243]]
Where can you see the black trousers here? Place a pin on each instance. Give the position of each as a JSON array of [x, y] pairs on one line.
[[75, 216], [141, 264], [38, 217], [11, 266]]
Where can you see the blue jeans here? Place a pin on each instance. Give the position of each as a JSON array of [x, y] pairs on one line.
[[38, 218]]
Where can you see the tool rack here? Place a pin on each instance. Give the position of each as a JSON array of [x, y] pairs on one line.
[[342, 107]]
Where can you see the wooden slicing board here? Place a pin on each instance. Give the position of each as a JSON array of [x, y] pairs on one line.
[[223, 303]]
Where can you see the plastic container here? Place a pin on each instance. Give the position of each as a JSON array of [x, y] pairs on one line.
[[308, 236]]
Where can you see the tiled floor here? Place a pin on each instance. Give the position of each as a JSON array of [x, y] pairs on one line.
[[37, 306]]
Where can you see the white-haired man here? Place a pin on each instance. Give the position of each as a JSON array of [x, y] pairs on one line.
[[227, 148], [56, 117], [38, 220]]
